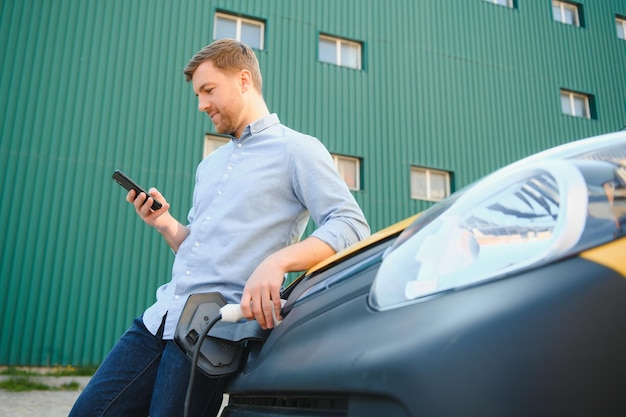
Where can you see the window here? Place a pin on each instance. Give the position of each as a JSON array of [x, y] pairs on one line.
[[350, 170], [575, 104], [340, 52], [244, 30], [505, 3], [620, 24], [567, 13], [212, 142], [429, 184]]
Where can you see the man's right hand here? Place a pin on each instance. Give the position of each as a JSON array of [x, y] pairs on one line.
[[173, 231], [143, 202]]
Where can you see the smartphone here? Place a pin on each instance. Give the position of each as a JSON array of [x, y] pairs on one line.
[[123, 180]]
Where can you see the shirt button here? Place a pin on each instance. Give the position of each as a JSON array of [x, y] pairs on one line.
[[187, 272], [229, 168], [197, 244], [239, 145], [219, 192], [177, 297]]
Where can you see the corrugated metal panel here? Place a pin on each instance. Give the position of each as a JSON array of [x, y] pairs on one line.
[[88, 87]]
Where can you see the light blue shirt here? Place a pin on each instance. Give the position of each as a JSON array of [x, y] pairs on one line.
[[253, 197]]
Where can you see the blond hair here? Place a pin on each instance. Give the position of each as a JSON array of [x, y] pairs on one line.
[[228, 55]]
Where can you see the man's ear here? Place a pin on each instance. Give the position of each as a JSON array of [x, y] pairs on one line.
[[245, 80]]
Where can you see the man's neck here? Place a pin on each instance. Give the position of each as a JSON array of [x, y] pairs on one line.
[[257, 110]]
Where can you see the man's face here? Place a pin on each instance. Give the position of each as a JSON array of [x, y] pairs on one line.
[[220, 95]]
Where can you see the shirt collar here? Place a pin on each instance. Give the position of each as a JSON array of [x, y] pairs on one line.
[[257, 127]]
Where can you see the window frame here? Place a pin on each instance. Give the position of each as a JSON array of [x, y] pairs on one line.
[[572, 96], [339, 42], [429, 186], [563, 5], [357, 170], [239, 20], [509, 3], [212, 142]]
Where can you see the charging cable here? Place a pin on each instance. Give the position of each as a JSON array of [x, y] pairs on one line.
[[194, 362]]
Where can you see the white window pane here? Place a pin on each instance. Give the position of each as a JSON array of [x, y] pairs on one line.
[[579, 107], [225, 28], [620, 28], [419, 188], [556, 12], [251, 35], [328, 51], [347, 170], [349, 55], [345, 167], [569, 16], [350, 179], [438, 186], [566, 107]]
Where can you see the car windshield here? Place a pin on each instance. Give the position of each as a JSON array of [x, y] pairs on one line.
[[527, 214]]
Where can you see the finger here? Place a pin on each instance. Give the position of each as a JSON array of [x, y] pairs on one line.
[[277, 306], [259, 316], [268, 313], [156, 194], [258, 310], [131, 196], [245, 305], [146, 208], [139, 201]]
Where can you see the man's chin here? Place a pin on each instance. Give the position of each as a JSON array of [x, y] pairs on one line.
[[224, 131]]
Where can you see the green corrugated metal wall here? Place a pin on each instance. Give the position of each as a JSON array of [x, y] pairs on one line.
[[87, 87]]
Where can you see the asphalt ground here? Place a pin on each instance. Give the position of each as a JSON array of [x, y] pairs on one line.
[[53, 403], [36, 403]]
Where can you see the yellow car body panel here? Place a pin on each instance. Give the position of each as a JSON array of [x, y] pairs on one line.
[[375, 237], [611, 255]]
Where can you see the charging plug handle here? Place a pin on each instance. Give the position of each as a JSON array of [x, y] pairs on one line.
[[231, 313]]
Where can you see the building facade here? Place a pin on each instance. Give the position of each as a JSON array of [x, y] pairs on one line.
[[414, 99]]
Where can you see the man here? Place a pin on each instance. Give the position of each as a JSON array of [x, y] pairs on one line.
[[251, 203]]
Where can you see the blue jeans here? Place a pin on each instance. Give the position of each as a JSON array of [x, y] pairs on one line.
[[145, 375]]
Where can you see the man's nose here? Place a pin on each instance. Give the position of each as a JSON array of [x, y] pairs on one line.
[[203, 104]]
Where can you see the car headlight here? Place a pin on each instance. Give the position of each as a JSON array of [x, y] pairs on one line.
[[502, 224]]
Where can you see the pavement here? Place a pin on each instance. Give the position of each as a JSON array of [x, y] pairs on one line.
[[41, 403], [54, 403]]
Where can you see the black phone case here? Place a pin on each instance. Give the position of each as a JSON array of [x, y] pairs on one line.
[[123, 180]]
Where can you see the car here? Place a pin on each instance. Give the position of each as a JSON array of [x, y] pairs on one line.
[[507, 298]]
